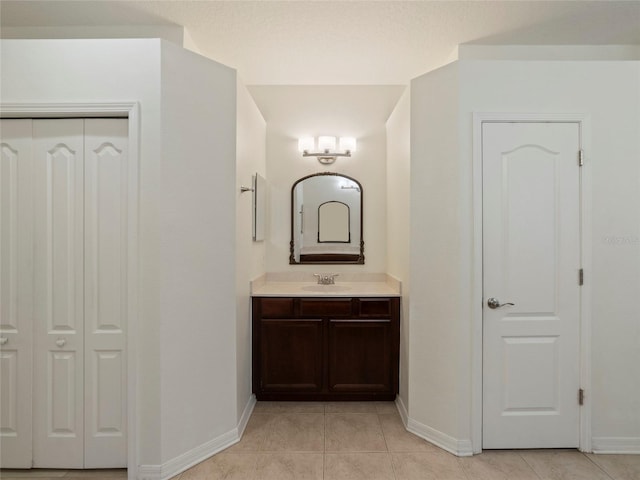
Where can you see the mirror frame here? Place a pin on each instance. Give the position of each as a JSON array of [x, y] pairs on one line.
[[328, 258]]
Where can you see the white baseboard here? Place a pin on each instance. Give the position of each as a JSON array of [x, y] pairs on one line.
[[246, 415], [196, 455], [461, 448], [402, 409], [149, 472], [629, 445]]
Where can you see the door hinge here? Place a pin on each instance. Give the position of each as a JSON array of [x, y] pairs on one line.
[[581, 276], [580, 157], [580, 396]]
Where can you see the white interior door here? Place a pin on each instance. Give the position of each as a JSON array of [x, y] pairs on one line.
[[16, 292], [58, 396], [531, 258], [105, 292]]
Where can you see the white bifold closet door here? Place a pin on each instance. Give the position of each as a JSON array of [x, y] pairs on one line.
[[16, 293], [105, 292], [79, 212], [58, 393]]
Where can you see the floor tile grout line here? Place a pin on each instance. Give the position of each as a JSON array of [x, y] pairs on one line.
[[600, 467], [462, 469], [384, 437], [324, 430], [261, 446], [577, 451], [324, 443], [393, 467], [255, 466], [529, 465], [338, 452]]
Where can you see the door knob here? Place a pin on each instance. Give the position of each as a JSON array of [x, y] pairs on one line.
[[495, 303], [61, 342], [3, 340]]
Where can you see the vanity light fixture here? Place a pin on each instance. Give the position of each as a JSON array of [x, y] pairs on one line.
[[327, 153]]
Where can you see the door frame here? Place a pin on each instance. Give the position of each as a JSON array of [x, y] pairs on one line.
[[583, 121], [130, 110]]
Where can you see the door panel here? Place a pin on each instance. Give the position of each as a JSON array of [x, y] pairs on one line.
[[61, 394], [105, 258], [108, 412], [531, 258], [531, 360], [59, 294], [16, 292], [10, 400], [529, 193]]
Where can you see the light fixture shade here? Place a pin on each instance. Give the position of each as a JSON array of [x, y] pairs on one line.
[[326, 143], [347, 144], [306, 143]]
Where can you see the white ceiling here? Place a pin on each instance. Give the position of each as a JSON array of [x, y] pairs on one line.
[[348, 42], [300, 110]]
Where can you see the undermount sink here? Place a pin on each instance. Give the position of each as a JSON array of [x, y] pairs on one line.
[[326, 288]]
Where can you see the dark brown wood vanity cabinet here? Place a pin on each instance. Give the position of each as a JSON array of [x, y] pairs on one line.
[[319, 348]]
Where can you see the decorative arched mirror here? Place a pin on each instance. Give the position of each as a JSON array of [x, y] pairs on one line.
[[326, 220]]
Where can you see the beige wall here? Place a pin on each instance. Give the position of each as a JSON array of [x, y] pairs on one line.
[[181, 346], [442, 236], [31, 73], [439, 321], [250, 255], [609, 93], [294, 111], [197, 276], [398, 218]]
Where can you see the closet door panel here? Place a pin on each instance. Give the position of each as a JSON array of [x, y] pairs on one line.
[[59, 293], [105, 292], [16, 292]]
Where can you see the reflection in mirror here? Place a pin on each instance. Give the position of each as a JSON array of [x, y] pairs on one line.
[[326, 220], [259, 206], [333, 222]]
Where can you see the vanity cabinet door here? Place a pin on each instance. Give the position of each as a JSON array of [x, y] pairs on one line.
[[291, 355], [360, 356]]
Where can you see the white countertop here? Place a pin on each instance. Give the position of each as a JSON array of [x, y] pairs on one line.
[[279, 285]]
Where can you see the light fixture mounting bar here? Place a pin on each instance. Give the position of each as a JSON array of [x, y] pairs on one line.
[[326, 157]]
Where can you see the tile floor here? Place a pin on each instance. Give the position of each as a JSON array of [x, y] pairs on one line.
[[367, 441], [352, 441]]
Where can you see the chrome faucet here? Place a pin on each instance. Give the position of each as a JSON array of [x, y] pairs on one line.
[[326, 278]]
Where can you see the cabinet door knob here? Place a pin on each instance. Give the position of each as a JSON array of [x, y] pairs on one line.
[[3, 340], [61, 342]]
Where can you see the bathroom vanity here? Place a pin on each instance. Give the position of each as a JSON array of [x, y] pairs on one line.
[[325, 342]]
